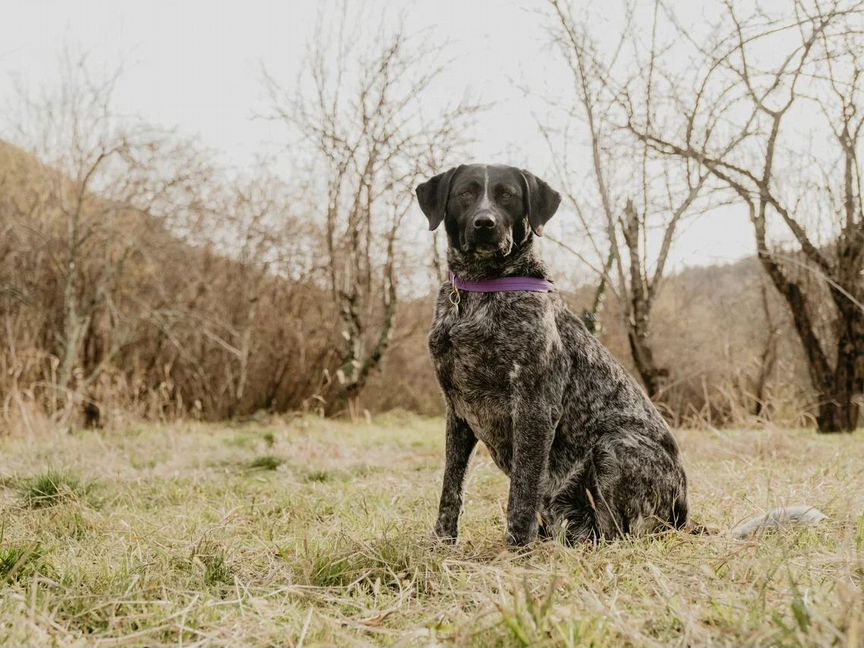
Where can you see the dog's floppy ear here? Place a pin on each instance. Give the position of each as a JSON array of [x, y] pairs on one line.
[[542, 201], [432, 196]]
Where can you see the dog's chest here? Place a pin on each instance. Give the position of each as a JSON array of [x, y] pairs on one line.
[[483, 354]]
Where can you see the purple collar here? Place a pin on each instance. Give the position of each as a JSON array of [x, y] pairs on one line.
[[504, 284]]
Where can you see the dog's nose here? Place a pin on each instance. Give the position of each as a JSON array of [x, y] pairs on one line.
[[484, 221]]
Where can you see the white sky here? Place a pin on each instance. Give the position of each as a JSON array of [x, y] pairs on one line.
[[195, 66]]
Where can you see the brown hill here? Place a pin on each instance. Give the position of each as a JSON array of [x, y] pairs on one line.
[[150, 321], [168, 325]]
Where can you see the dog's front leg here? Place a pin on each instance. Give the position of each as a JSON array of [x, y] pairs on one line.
[[460, 444], [532, 438]]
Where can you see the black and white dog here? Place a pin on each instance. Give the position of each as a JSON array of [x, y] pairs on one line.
[[588, 455]]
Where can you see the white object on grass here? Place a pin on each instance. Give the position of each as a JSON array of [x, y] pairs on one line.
[[785, 516]]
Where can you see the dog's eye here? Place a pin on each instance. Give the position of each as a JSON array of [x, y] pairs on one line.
[[466, 195], [505, 196]]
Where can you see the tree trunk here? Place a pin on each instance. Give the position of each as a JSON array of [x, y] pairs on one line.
[[591, 318], [838, 409], [837, 387], [653, 377], [361, 367], [768, 359], [74, 328], [641, 303], [837, 413]]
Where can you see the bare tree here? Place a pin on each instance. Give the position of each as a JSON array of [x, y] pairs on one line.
[[768, 357], [637, 195], [362, 112], [86, 210], [135, 278], [766, 76], [255, 213]]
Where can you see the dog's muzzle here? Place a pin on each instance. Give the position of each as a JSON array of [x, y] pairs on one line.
[[485, 234]]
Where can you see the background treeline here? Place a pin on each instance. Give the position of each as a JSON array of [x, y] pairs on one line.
[[171, 326], [137, 278]]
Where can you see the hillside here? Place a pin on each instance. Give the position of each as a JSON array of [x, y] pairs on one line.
[[160, 322], [170, 325]]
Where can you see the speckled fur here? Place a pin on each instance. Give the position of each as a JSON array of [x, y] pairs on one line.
[[588, 455]]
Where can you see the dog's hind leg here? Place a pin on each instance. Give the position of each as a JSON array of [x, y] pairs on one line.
[[572, 515], [585, 506], [638, 487], [621, 490]]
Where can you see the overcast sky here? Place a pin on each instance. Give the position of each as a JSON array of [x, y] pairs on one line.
[[196, 66]]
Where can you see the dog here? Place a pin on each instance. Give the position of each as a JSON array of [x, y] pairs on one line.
[[588, 455]]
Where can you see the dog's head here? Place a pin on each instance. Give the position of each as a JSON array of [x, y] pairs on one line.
[[487, 210]]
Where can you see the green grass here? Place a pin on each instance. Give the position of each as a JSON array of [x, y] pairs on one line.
[[266, 462], [17, 561], [318, 533], [52, 487]]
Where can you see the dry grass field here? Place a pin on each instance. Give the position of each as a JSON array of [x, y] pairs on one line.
[[313, 532]]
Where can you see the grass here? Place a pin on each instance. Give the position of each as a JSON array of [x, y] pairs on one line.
[[265, 462], [52, 487], [317, 533]]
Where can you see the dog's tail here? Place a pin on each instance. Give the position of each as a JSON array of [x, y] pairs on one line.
[[785, 516], [780, 517]]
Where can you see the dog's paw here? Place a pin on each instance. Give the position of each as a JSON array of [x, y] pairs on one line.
[[520, 540], [442, 536], [522, 532]]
